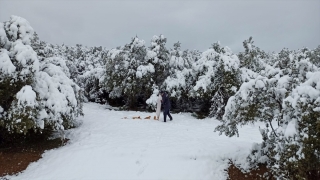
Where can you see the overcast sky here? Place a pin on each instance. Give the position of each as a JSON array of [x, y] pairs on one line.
[[196, 24]]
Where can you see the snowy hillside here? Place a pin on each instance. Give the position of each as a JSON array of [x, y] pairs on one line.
[[108, 147]]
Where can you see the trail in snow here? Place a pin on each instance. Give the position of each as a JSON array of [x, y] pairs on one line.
[[108, 147]]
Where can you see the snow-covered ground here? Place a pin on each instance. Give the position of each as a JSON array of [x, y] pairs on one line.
[[106, 146]]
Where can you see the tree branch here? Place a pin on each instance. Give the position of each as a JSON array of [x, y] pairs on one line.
[[272, 128]]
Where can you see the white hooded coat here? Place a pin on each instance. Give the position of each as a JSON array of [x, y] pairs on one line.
[[159, 105]]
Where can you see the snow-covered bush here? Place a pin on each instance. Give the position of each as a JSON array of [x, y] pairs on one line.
[[114, 72], [297, 149], [129, 74], [23, 112], [158, 56], [257, 100], [217, 78], [226, 82], [181, 80], [59, 97], [314, 56], [34, 95], [152, 100], [179, 85], [92, 78], [18, 28], [85, 65], [291, 151], [253, 57], [286, 97], [43, 49], [179, 60], [18, 66]]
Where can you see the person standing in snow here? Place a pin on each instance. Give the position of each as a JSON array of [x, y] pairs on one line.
[[159, 102], [166, 105]]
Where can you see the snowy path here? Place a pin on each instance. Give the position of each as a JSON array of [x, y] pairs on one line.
[[108, 147]]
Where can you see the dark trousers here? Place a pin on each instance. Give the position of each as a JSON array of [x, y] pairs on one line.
[[166, 111]]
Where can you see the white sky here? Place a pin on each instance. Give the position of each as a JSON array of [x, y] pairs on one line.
[[196, 24]]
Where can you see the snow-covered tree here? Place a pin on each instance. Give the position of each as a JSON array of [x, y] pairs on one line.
[[129, 74], [180, 81], [115, 72], [292, 150], [297, 149], [60, 99], [18, 64], [85, 64], [34, 95], [179, 59], [253, 57], [92, 78], [158, 56], [215, 62], [314, 56], [204, 72], [43, 49], [179, 85], [285, 96], [257, 100], [226, 82], [137, 81]]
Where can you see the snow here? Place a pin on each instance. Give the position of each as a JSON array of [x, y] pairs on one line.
[[143, 70], [3, 36], [247, 74], [58, 61], [205, 65], [310, 89], [137, 43], [152, 101], [19, 28], [113, 53], [177, 62], [151, 54], [229, 60], [106, 146], [56, 92], [27, 95], [178, 81], [25, 55], [259, 84], [291, 130], [249, 46], [6, 66]]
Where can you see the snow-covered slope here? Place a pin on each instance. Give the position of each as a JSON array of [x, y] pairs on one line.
[[109, 147]]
